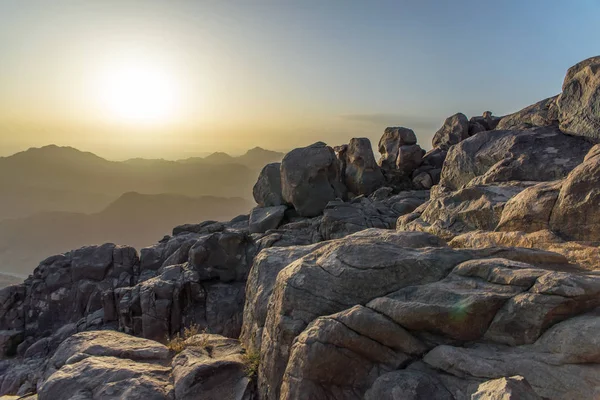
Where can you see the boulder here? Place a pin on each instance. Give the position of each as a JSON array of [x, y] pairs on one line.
[[487, 121], [579, 102], [390, 142], [361, 173], [540, 154], [263, 219], [435, 157], [530, 210], [511, 388], [213, 368], [542, 113], [267, 190], [310, 178], [576, 215], [454, 130], [410, 157], [423, 180], [108, 365]]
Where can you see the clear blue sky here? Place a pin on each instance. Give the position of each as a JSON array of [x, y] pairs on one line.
[[279, 74]]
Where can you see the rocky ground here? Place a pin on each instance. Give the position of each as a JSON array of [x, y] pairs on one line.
[[471, 271]]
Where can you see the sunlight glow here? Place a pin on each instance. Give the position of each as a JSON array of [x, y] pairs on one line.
[[139, 93]]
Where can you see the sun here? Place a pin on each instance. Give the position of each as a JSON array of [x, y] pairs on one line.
[[139, 93]]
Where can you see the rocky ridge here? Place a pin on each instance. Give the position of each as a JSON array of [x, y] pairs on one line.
[[467, 272]]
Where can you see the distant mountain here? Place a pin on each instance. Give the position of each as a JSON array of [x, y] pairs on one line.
[[135, 219], [55, 178]]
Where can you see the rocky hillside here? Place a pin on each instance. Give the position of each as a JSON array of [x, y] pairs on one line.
[[471, 271]]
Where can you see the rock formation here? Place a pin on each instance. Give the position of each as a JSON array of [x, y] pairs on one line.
[[467, 272]]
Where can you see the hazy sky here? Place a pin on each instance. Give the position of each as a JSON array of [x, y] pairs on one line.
[[178, 78]]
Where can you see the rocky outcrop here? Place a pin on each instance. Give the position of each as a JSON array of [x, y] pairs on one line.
[[481, 284], [310, 178], [579, 102]]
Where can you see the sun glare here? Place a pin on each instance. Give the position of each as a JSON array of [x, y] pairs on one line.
[[139, 93]]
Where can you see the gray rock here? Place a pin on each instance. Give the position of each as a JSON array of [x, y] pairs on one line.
[[361, 173], [410, 157], [454, 130], [213, 368], [263, 219], [542, 113], [310, 178], [267, 190], [407, 385], [576, 215], [541, 154], [390, 142], [579, 102]]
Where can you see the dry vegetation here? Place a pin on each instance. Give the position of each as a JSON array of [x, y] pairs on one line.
[[179, 342]]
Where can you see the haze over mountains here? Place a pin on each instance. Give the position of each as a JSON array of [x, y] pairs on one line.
[[57, 198]]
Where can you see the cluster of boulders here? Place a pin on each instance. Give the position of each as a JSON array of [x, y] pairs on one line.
[[467, 272]]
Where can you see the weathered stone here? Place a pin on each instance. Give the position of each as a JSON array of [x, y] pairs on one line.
[[579, 102], [263, 219], [213, 368], [454, 130], [361, 173], [310, 178], [407, 385], [410, 157], [390, 142], [542, 113], [267, 190]]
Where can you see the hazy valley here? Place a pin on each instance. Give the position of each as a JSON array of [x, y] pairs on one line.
[[57, 198]]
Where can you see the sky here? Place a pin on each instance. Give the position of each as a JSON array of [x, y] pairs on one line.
[[175, 79]]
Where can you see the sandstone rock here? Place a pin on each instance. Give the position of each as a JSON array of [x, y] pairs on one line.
[[542, 113], [512, 388], [213, 368], [267, 190], [310, 178], [361, 173], [454, 130], [579, 102], [390, 142], [263, 219]]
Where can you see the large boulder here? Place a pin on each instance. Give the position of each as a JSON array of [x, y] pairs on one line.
[[542, 113], [310, 178], [390, 142], [454, 130], [362, 174], [267, 190], [576, 215], [579, 102], [540, 154], [410, 157]]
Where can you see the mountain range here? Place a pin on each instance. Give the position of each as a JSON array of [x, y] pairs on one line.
[[56, 198]]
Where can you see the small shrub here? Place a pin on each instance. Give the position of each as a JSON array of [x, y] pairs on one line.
[[177, 343], [251, 360]]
